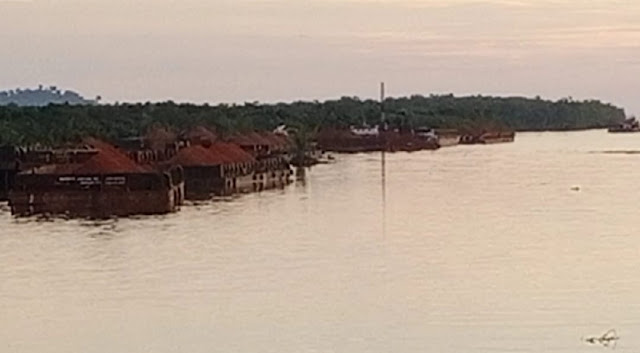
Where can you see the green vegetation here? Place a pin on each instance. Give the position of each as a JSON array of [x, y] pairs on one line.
[[301, 138], [56, 124]]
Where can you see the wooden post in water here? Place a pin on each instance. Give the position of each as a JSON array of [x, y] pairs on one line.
[[382, 119], [382, 132]]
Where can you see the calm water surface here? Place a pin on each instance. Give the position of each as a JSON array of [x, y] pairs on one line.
[[467, 249]]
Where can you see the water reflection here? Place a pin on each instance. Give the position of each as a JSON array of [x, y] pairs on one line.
[[488, 243], [383, 168], [301, 174]]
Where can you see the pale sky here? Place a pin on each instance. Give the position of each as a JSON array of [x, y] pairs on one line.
[[283, 50]]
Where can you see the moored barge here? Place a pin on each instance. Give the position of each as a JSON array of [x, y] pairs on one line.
[[355, 141], [629, 125], [224, 168], [99, 183]]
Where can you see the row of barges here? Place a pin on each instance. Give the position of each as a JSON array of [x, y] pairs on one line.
[[155, 174], [369, 139], [140, 176]]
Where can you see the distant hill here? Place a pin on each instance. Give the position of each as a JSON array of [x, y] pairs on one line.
[[42, 96]]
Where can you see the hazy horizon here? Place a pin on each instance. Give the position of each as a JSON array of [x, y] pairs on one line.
[[241, 51]]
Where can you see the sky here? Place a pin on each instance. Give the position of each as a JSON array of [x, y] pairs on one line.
[[284, 50]]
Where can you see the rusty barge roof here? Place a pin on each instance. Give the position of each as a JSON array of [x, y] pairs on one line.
[[233, 152], [215, 154], [276, 140], [196, 156], [106, 160]]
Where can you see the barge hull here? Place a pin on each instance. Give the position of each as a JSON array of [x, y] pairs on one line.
[[203, 187], [94, 204]]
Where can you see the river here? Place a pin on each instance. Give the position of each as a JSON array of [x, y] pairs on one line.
[[523, 247]]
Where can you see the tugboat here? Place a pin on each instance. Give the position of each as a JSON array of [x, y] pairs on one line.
[[441, 137], [629, 125]]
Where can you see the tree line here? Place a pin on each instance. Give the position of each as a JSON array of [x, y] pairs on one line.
[[57, 124]]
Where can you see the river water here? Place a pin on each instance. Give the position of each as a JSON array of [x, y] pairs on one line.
[[523, 247]]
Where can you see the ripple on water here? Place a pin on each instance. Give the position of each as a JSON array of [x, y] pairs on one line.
[[488, 243]]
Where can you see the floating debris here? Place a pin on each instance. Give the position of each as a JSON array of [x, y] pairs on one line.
[[575, 188], [608, 340]]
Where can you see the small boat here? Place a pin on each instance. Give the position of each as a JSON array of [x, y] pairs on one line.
[[488, 138], [497, 137], [448, 137], [629, 125]]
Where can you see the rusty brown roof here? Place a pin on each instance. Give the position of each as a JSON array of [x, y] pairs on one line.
[[108, 160], [276, 140], [232, 152], [197, 156]]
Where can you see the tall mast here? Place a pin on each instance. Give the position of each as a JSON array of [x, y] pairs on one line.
[[382, 118]]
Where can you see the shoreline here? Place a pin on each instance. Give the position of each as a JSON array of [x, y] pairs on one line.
[[564, 130]]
